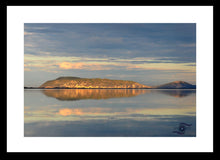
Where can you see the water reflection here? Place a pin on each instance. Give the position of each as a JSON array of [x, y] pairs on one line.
[[108, 128], [177, 92], [86, 111], [77, 94], [109, 112]]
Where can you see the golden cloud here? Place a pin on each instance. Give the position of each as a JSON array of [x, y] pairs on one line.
[[28, 33], [68, 65], [80, 65], [50, 62], [67, 112], [129, 66]]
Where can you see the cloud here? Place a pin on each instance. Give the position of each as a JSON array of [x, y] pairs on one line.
[[67, 112], [97, 66], [80, 65], [112, 40], [59, 63], [68, 65], [188, 45], [45, 53], [28, 45], [27, 69], [123, 66], [28, 33]]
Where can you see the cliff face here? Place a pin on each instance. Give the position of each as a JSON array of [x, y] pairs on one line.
[[76, 82]]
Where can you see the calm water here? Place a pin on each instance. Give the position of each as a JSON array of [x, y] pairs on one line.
[[109, 113]]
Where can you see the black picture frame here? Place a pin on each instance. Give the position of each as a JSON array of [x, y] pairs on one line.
[[61, 155]]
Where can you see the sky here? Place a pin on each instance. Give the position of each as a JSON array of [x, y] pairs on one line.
[[148, 53]]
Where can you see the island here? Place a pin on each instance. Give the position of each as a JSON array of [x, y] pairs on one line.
[[176, 85], [84, 83], [98, 83]]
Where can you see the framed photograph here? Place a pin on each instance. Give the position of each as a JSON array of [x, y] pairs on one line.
[[110, 79]]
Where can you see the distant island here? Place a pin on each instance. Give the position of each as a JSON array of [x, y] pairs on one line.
[[98, 83], [176, 85]]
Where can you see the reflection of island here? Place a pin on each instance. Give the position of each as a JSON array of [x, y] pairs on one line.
[[77, 94], [177, 93]]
